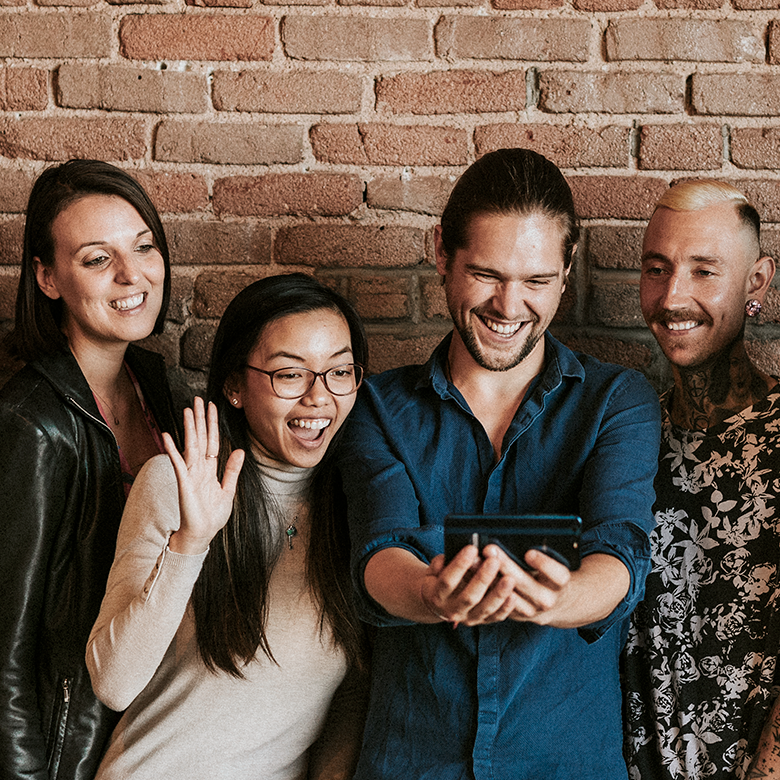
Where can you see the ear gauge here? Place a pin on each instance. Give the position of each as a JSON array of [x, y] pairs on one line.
[[753, 308], [234, 401]]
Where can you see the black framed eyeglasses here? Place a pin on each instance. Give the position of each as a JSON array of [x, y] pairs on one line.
[[294, 382]]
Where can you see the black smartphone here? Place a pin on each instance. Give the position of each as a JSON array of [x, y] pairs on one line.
[[555, 535]]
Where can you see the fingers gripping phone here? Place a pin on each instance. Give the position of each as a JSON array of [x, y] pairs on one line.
[[555, 535]]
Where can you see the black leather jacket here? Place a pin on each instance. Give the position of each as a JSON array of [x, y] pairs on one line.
[[61, 500]]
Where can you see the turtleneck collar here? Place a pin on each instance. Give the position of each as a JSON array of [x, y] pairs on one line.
[[284, 480]]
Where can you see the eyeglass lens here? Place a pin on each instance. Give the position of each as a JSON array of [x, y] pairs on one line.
[[295, 382]]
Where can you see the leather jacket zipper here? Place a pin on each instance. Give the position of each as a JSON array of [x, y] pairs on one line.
[[70, 399], [61, 723]]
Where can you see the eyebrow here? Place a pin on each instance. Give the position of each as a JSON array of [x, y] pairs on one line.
[[712, 259], [291, 356], [474, 268], [103, 243]]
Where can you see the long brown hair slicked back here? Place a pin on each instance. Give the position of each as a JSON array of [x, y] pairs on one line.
[[230, 597]]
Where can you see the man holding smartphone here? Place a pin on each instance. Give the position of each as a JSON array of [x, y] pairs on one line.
[[483, 669]]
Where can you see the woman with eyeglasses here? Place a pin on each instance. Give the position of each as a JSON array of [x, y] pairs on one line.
[[227, 631]]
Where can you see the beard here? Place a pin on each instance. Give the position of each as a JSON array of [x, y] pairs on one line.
[[503, 361]]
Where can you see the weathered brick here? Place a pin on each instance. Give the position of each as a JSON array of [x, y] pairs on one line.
[[433, 299], [137, 2], [680, 147], [307, 194], [448, 3], [358, 38], [386, 3], [55, 138], [765, 354], [608, 6], [688, 40], [215, 290], [755, 5], [350, 246], [15, 186], [611, 93], [525, 5], [755, 147], [8, 287], [197, 37], [131, 89], [452, 92], [10, 4], [55, 36], [764, 194], [381, 144], [380, 297], [424, 194], [690, 5], [165, 344], [23, 89], [222, 3], [11, 240], [65, 3], [388, 351], [611, 246], [175, 192], [567, 147], [196, 346], [297, 92], [180, 305], [616, 197], [625, 353], [209, 242], [228, 144], [616, 305], [773, 43], [744, 94], [474, 37], [771, 310]]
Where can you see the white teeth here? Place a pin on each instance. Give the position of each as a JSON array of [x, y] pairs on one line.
[[504, 330], [681, 325], [315, 424], [128, 303]]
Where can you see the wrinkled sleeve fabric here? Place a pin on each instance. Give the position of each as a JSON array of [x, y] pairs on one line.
[[30, 520], [147, 593]]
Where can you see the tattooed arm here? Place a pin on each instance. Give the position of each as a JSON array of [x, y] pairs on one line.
[[766, 762]]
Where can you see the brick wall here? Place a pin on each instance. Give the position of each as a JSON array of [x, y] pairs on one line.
[[325, 137]]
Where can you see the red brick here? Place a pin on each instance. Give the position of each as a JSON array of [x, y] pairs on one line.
[[755, 147], [434, 301], [196, 37], [228, 144], [15, 186], [608, 6], [131, 89], [209, 242], [380, 297], [770, 241], [525, 5], [137, 2], [566, 91], [166, 344], [448, 3], [771, 310], [196, 346], [616, 197], [618, 247], [24, 89], [8, 287], [755, 5], [388, 351], [452, 92], [350, 246], [567, 147], [11, 3], [691, 5], [55, 138], [744, 94], [475, 37], [763, 194], [385, 3], [380, 144], [215, 290], [681, 39], [424, 194], [765, 354], [307, 194], [11, 240], [180, 303], [616, 305], [680, 147], [55, 36], [298, 92], [360, 38], [222, 3], [70, 3], [625, 353], [175, 192]]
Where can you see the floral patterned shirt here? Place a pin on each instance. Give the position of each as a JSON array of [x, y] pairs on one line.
[[700, 663]]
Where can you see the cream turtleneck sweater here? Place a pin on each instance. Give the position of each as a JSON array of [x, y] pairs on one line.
[[182, 720]]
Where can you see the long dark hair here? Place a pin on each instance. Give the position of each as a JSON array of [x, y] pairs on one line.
[[509, 181], [230, 597], [37, 329]]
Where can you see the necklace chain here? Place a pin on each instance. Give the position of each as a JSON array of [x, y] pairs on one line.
[[108, 405]]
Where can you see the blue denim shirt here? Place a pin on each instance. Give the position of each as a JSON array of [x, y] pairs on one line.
[[512, 700]]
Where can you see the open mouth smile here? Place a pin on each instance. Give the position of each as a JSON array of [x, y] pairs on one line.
[[508, 329], [316, 425], [126, 304]]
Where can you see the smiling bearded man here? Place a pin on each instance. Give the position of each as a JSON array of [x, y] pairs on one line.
[[701, 659]]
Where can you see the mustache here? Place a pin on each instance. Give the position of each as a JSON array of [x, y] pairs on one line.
[[666, 317]]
